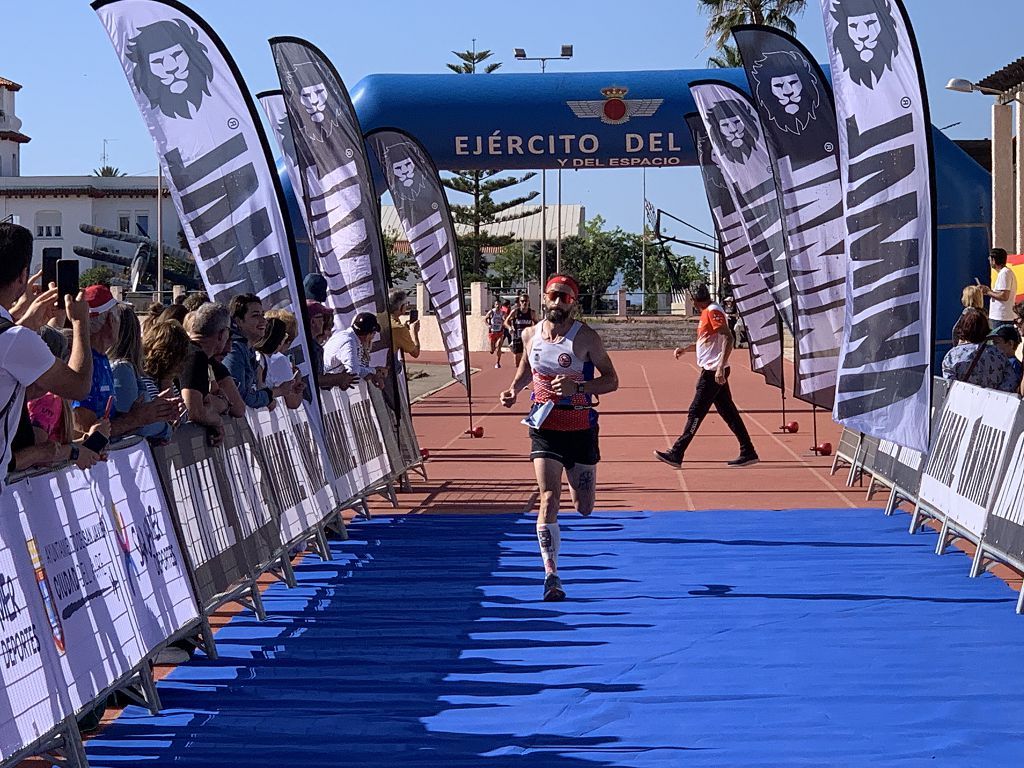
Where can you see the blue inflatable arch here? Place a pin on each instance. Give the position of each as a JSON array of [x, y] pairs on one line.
[[630, 120]]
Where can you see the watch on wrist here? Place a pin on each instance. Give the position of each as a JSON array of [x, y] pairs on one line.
[[579, 388], [74, 453]]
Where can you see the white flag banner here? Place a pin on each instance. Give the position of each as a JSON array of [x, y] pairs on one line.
[[126, 487], [885, 149], [799, 121], [295, 462], [277, 115], [416, 191], [31, 638], [218, 163], [749, 290], [971, 436], [739, 145]]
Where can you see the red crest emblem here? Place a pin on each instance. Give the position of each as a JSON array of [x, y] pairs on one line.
[[564, 360], [615, 109]]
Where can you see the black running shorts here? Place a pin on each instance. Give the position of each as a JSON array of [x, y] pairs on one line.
[[569, 448], [516, 345]]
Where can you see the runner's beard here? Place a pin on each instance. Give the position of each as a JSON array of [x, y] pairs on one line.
[[557, 315]]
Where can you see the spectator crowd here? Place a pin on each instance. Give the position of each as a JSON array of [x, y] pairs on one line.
[[79, 371]]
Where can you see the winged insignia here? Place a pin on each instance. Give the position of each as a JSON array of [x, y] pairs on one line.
[[605, 109]]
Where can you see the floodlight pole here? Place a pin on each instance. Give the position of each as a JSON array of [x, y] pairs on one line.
[[520, 54]]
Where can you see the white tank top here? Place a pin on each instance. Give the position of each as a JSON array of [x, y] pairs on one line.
[[553, 358]]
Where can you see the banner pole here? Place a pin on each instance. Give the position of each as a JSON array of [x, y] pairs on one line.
[[814, 422], [782, 373]]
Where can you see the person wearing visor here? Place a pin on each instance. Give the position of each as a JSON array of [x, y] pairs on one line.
[[560, 357]]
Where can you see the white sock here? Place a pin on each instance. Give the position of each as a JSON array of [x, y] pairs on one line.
[[550, 539]]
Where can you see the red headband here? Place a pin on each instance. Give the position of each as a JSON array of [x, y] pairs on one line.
[[564, 281]]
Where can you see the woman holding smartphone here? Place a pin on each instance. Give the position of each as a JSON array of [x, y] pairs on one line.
[[404, 336]]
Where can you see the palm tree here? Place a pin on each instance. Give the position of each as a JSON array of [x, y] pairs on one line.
[[726, 14], [107, 170], [727, 59]]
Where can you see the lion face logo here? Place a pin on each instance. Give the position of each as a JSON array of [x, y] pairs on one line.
[[865, 38], [406, 179], [788, 90], [734, 129], [320, 115], [171, 67]]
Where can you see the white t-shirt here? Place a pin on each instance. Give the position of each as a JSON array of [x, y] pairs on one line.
[[345, 352], [24, 357], [279, 369], [1003, 310], [710, 341]]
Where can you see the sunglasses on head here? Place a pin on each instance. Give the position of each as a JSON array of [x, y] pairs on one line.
[[555, 296]]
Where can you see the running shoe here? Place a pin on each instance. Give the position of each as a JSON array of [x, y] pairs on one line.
[[553, 591], [669, 459], [744, 460], [497, 365]]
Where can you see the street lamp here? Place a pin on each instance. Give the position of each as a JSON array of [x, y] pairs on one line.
[[566, 53], [962, 85]]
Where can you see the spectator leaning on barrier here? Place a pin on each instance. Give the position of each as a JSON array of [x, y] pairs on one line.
[[208, 329], [104, 330], [976, 362], [1003, 294], [249, 326], [276, 370], [349, 350], [24, 357], [126, 367], [1006, 339], [320, 320]]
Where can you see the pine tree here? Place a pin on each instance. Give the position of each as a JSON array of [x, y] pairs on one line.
[[480, 185]]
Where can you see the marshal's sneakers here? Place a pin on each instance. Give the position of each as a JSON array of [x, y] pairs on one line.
[[553, 591], [745, 459], [669, 458]]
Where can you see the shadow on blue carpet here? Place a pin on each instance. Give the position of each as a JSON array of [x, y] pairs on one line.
[[812, 638]]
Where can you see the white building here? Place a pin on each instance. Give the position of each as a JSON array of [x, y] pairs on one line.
[[54, 206]]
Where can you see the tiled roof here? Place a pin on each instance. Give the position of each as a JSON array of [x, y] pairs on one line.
[[9, 84], [527, 228], [1006, 78], [16, 136], [86, 186]]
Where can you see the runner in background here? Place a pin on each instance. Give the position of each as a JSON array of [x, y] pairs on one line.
[[495, 320], [562, 354], [519, 319]]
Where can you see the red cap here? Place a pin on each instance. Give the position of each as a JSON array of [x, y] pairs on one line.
[[316, 309], [561, 282], [99, 299]]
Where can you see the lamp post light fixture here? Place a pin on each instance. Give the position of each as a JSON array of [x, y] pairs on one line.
[[565, 54], [962, 85]]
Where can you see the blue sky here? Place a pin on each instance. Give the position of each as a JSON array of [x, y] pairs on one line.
[[75, 94]]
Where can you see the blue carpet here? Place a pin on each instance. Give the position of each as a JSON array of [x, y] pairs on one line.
[[821, 638]]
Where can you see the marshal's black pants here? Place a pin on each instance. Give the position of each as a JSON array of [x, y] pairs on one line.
[[709, 393]]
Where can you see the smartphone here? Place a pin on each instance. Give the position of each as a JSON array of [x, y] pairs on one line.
[[414, 315], [96, 442], [49, 270], [67, 278]]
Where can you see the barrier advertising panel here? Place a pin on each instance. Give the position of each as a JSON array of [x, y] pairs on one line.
[[31, 636], [354, 441], [222, 538], [969, 443], [1004, 527], [291, 448]]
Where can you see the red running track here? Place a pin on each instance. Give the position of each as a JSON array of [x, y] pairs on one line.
[[492, 473]]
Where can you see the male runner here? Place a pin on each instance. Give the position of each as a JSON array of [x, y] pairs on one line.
[[495, 320], [518, 320], [561, 355], [714, 344]]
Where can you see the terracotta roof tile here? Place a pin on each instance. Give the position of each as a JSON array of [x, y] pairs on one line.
[[9, 84]]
